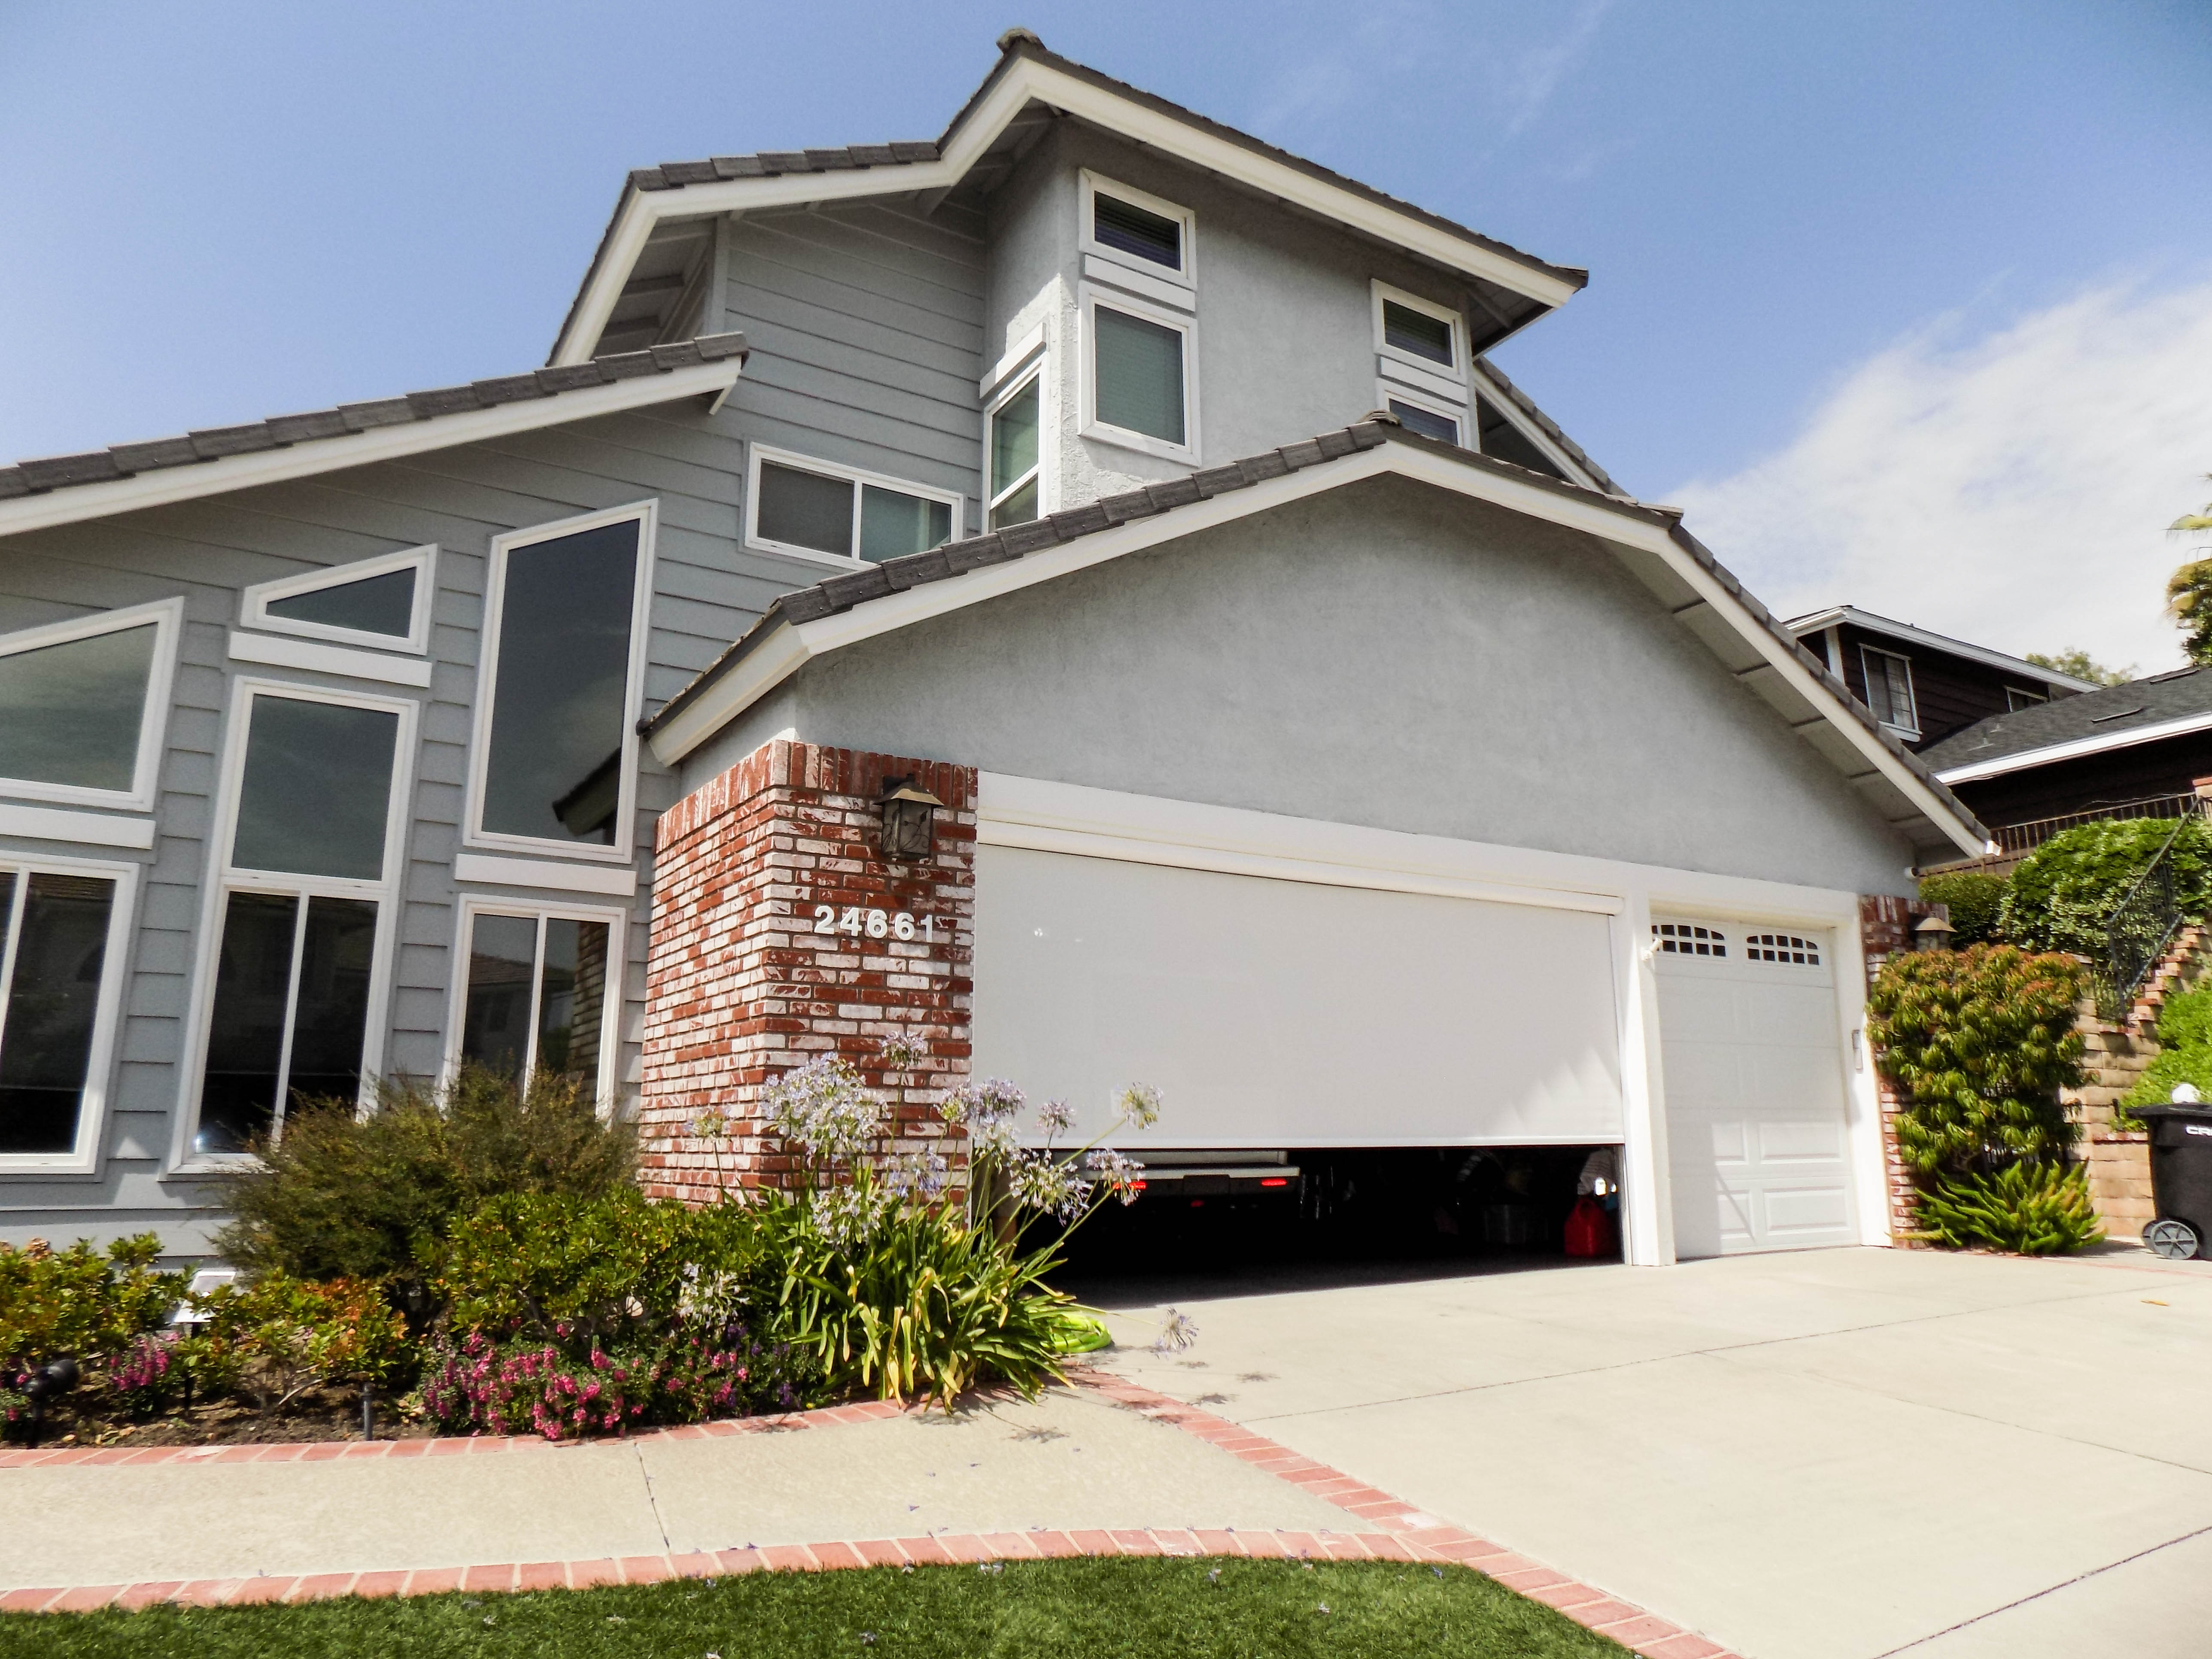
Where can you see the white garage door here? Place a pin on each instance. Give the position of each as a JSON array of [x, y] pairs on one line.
[[1285, 1013], [1755, 1115]]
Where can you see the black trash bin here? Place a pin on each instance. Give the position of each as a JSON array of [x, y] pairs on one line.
[[2180, 1179]]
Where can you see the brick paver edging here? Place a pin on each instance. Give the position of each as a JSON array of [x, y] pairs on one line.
[[1390, 1530]]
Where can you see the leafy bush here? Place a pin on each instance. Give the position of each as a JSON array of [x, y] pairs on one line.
[[1980, 1041], [2030, 1208], [90, 1305], [2063, 895], [276, 1338], [2184, 1036], [1973, 897], [371, 1198]]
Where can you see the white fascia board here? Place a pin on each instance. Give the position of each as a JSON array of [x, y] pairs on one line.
[[2074, 748], [1896, 630], [1028, 80], [1627, 524], [77, 502]]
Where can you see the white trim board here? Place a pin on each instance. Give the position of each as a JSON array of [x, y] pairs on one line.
[[545, 874], [2076, 747], [789, 646], [1514, 415], [92, 829], [1023, 81], [315, 658], [77, 503]]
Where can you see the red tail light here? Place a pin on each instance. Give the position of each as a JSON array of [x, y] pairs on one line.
[[1274, 1181]]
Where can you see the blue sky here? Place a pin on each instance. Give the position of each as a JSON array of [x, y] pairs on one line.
[[1851, 265]]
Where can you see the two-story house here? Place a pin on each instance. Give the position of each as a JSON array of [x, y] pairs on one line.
[[1923, 686], [1074, 591]]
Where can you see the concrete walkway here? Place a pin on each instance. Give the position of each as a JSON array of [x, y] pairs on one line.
[[1830, 1455]]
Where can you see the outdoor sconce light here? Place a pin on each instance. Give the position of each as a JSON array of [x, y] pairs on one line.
[[57, 1377], [1933, 934], [909, 818]]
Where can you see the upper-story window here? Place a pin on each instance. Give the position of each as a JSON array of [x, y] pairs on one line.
[[1014, 427], [559, 683], [83, 705], [819, 509], [2017, 699], [1154, 239], [383, 602], [1430, 420], [63, 928], [1420, 365], [1889, 690], [1139, 327]]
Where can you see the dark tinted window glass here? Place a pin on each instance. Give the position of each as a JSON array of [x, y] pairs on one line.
[[1014, 442], [374, 604], [329, 1004], [561, 687], [1139, 375], [1417, 332], [1017, 508], [572, 1001], [316, 786], [495, 1020], [246, 1036], [894, 523], [69, 713], [1414, 418], [805, 509], [46, 1033], [1126, 226]]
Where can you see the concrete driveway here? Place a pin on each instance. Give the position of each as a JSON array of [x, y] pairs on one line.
[[1824, 1454]]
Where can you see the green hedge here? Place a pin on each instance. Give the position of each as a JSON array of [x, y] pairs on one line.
[[2063, 895], [1973, 896]]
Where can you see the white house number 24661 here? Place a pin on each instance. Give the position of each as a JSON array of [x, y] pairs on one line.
[[860, 922]]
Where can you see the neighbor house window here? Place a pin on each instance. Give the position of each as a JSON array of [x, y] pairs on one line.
[[383, 602], [2016, 699], [309, 845], [1014, 426], [559, 685], [81, 706], [540, 991], [1889, 690], [57, 935], [1139, 392], [805, 505]]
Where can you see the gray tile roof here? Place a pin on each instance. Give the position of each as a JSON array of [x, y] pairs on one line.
[[1551, 427], [771, 163], [281, 431], [2112, 713], [842, 593]]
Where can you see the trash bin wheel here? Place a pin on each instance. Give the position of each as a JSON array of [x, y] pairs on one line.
[[2177, 1240]]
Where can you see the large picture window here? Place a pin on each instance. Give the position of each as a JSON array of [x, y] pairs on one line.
[[557, 692], [800, 505], [60, 945], [299, 924], [539, 992], [82, 705]]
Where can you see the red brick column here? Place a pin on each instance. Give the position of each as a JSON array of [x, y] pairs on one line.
[[1886, 924], [740, 987]]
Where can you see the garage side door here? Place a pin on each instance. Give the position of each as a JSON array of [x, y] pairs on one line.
[[1756, 1126], [1284, 1014]]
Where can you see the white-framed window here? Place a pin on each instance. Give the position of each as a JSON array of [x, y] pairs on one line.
[[553, 760], [1013, 451], [383, 602], [64, 954], [842, 515], [538, 987], [1889, 690], [83, 704], [1157, 239], [1411, 332], [297, 930], [1429, 417], [1140, 376]]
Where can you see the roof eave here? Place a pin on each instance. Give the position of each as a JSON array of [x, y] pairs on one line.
[[1855, 618]]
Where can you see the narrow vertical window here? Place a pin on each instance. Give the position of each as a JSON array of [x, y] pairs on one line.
[[537, 996], [1014, 452], [53, 952], [1137, 375], [1889, 690]]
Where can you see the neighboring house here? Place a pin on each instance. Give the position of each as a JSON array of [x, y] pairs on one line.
[[1923, 687], [2134, 750], [1358, 782]]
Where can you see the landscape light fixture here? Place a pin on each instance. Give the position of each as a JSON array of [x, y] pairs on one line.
[[1933, 934], [909, 820]]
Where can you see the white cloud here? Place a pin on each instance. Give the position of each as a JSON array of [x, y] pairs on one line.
[[2013, 489]]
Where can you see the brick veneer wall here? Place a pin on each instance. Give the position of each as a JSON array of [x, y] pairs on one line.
[[739, 987], [1886, 924]]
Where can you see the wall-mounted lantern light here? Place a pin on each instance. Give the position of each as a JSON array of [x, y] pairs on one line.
[[909, 820], [1933, 934]]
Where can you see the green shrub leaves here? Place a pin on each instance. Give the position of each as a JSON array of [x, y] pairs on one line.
[[2062, 896], [2029, 1208]]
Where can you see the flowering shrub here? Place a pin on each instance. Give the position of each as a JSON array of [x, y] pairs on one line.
[[277, 1338], [83, 1303], [144, 1376]]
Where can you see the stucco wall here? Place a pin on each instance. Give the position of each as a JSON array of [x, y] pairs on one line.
[[1385, 655]]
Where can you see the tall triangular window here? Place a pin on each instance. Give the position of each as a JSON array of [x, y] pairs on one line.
[[383, 602]]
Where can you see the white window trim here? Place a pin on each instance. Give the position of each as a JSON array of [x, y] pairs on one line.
[[1091, 184], [856, 476], [473, 905], [1390, 391], [223, 879], [314, 658], [1456, 369], [167, 618], [1089, 425], [1037, 373], [1867, 655], [1511, 412], [115, 970], [253, 603], [647, 516]]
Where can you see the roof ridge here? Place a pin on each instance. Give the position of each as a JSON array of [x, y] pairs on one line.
[[40, 476]]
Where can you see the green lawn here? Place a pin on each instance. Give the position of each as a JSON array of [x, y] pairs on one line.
[[1068, 1609]]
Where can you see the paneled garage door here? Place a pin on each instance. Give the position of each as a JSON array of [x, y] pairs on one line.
[[1756, 1129]]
